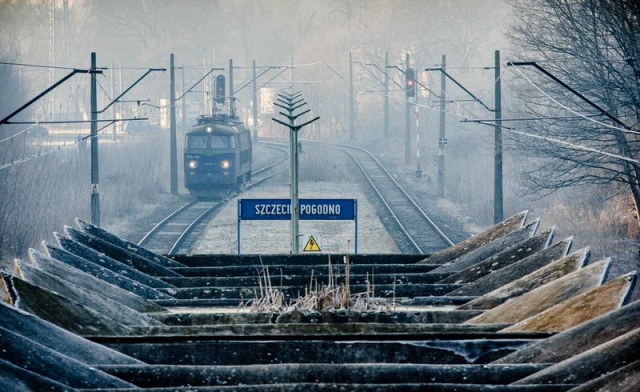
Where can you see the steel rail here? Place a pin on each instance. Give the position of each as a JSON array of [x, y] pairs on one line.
[[406, 194], [183, 210], [197, 221], [384, 201], [389, 176]]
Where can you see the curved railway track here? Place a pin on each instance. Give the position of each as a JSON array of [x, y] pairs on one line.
[[421, 233], [178, 232], [413, 229], [418, 232]]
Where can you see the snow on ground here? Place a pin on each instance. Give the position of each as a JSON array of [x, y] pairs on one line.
[[273, 237]]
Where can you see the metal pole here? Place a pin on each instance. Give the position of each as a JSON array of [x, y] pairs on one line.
[[418, 169], [205, 98], [294, 195], [255, 104], [210, 82], [295, 213], [290, 106], [407, 122], [352, 114], [441, 138], [95, 177], [386, 95], [295, 216], [183, 103], [291, 76], [52, 55], [172, 128], [232, 102], [120, 89], [113, 110], [497, 176]]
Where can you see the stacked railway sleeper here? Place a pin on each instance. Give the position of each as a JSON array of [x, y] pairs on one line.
[[509, 309]]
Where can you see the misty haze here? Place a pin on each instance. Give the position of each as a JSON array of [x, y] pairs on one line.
[[46, 177], [332, 194]]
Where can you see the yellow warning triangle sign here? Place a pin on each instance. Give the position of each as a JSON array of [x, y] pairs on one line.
[[312, 245]]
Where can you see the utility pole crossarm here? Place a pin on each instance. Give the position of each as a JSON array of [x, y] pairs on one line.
[[37, 97], [563, 84], [461, 86], [130, 87], [396, 83], [198, 82], [94, 134], [250, 80], [369, 71], [275, 76]]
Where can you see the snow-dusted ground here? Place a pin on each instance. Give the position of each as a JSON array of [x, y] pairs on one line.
[[273, 237]]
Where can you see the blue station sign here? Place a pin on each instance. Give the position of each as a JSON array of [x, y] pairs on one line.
[[310, 209]]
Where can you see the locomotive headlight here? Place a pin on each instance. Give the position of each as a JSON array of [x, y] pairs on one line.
[[208, 129], [192, 164], [225, 164]]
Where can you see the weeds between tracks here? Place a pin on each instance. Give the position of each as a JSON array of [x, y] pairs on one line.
[[317, 297]]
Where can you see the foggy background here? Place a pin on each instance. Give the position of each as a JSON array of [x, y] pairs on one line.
[[45, 180]]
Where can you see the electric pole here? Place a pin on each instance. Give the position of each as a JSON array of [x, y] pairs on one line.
[[497, 171], [441, 136], [352, 114], [407, 122], [232, 102], [95, 177], [172, 128], [254, 107], [183, 103], [386, 95]]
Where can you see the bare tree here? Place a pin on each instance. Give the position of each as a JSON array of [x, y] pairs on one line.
[[592, 46]]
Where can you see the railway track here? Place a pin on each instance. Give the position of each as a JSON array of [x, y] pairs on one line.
[[420, 232], [417, 232], [178, 232], [413, 229]]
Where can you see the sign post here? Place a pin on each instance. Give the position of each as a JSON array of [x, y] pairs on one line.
[[309, 209], [290, 104]]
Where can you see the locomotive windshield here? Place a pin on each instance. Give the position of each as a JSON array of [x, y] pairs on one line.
[[196, 141], [210, 141], [221, 141]]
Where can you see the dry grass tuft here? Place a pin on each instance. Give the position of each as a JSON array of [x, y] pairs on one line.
[[318, 297]]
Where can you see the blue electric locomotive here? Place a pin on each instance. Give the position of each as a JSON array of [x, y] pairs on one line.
[[217, 156]]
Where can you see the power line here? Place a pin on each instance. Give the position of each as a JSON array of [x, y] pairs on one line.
[[36, 65], [56, 149], [569, 144], [561, 142], [571, 110]]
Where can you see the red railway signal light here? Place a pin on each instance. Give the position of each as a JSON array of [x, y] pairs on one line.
[[410, 82]]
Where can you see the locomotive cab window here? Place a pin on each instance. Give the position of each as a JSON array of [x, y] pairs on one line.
[[222, 141], [210, 141], [196, 141]]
